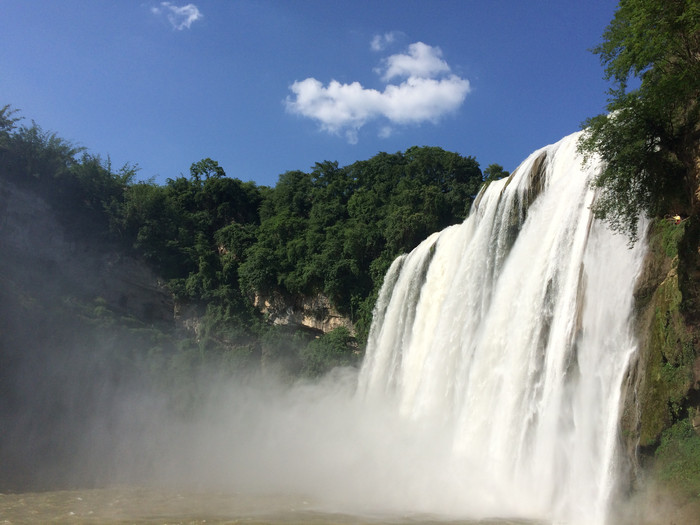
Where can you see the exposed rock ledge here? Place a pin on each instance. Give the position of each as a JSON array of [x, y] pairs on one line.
[[314, 313]]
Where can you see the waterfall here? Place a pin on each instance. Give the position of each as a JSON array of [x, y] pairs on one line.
[[510, 333]]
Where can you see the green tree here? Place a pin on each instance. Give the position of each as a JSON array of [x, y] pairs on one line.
[[206, 169], [650, 139], [39, 158], [7, 125], [495, 172]]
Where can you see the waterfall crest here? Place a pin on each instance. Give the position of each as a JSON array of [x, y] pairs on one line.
[[510, 333]]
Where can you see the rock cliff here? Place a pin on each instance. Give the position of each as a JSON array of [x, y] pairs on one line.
[[661, 394], [315, 313]]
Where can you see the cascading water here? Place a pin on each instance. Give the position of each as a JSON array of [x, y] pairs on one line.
[[510, 334]]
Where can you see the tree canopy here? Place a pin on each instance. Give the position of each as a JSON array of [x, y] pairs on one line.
[[650, 139], [336, 229]]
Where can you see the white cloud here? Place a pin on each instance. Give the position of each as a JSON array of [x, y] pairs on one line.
[[386, 132], [380, 42], [422, 60], [427, 93], [179, 17]]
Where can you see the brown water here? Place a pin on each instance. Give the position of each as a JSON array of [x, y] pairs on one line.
[[138, 506]]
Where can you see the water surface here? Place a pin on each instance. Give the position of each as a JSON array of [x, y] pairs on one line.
[[140, 506]]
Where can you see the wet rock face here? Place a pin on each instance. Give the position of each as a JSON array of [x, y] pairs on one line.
[[40, 259]]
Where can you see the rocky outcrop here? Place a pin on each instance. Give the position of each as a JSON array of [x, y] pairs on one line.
[[315, 313]]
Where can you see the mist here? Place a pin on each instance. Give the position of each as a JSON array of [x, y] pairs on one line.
[[80, 411], [319, 441], [250, 434], [82, 417]]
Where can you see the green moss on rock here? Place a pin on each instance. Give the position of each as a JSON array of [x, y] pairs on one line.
[[670, 357], [668, 353]]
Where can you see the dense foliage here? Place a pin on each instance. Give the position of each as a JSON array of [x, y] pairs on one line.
[[650, 140], [336, 230], [221, 243]]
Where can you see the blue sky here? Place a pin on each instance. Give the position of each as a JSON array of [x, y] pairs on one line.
[[265, 87]]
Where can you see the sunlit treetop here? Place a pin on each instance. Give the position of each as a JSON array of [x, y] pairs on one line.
[[650, 140]]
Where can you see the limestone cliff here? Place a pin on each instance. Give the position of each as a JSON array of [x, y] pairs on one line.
[[315, 313]]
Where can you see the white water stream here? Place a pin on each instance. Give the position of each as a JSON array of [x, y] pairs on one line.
[[510, 335]]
